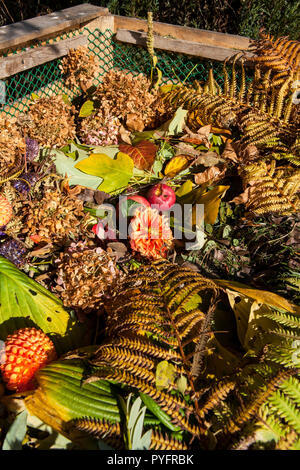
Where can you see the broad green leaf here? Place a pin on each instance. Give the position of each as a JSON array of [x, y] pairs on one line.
[[65, 166], [62, 396], [86, 109], [25, 303], [164, 418], [16, 433], [165, 374], [134, 412], [116, 173], [139, 136]]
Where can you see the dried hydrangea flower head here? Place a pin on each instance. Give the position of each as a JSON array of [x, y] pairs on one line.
[[12, 147], [100, 129], [49, 121], [85, 276], [55, 217], [150, 233], [127, 97], [80, 67]]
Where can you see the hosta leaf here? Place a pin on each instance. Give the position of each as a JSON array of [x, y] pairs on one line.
[[142, 154], [176, 165], [115, 173], [62, 396], [16, 433], [25, 303]]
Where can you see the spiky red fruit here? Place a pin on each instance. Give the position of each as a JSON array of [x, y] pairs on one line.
[[5, 211], [25, 352]]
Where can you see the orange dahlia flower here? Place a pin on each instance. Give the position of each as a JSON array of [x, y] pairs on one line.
[[150, 233]]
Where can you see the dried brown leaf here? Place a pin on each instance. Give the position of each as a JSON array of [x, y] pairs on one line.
[[211, 174], [142, 154], [198, 138], [229, 152]]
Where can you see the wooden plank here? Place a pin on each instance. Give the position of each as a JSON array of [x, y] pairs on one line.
[[26, 60], [212, 38], [177, 45], [23, 32]]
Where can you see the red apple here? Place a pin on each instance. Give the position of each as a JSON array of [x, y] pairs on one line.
[[126, 208], [162, 196]]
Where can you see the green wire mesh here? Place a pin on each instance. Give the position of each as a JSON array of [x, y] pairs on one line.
[[47, 79]]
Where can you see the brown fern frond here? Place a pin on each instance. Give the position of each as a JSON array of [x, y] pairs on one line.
[[217, 395], [161, 441], [272, 189]]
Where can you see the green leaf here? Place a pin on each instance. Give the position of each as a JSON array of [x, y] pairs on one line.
[[165, 374], [175, 125], [62, 395], [181, 383], [164, 418], [115, 173], [65, 166], [25, 303], [16, 433], [66, 99], [87, 109]]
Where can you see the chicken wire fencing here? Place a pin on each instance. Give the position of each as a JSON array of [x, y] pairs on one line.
[[47, 79]]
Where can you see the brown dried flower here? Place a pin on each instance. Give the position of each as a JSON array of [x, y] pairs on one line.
[[127, 97], [56, 217], [49, 121], [80, 67], [12, 147], [85, 276], [100, 129]]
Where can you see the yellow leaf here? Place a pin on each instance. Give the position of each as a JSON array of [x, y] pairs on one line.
[[211, 201], [261, 296], [165, 374], [176, 165], [166, 88], [250, 319], [185, 188]]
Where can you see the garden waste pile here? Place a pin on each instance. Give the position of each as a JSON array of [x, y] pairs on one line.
[[149, 260]]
